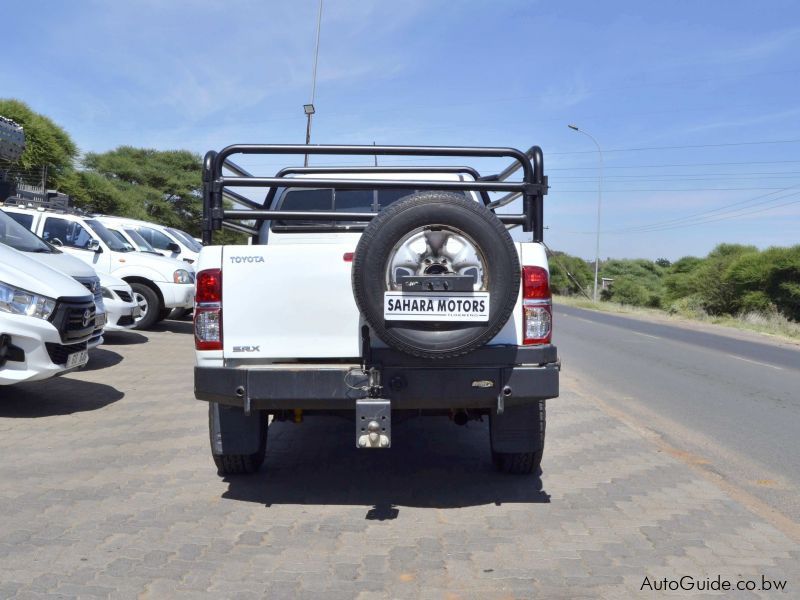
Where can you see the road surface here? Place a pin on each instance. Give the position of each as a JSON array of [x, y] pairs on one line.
[[732, 405]]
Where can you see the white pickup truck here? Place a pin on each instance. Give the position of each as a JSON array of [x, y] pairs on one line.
[[46, 319], [159, 284], [374, 292]]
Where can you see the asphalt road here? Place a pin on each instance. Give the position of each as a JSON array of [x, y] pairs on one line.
[[729, 405]]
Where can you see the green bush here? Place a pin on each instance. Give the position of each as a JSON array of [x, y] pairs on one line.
[[563, 265], [628, 291], [756, 302]]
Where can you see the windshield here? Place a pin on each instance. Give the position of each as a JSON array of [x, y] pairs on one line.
[[18, 237], [121, 238], [108, 238], [187, 239], [141, 244]]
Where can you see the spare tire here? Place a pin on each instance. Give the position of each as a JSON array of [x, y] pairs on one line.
[[436, 233]]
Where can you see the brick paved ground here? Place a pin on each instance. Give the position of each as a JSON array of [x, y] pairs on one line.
[[108, 490]]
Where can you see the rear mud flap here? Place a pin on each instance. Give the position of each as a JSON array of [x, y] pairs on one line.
[[518, 428], [233, 432]]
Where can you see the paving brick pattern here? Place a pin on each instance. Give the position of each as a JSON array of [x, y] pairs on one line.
[[108, 490]]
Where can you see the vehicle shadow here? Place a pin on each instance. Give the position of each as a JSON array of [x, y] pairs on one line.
[[174, 326], [100, 358], [432, 464], [53, 397], [122, 338]]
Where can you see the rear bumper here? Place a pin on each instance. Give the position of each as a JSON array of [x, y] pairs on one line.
[[474, 381]]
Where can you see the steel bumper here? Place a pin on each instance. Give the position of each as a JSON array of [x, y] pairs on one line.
[[527, 374]]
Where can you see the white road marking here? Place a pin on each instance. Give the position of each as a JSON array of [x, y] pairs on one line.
[[655, 337], [755, 362]]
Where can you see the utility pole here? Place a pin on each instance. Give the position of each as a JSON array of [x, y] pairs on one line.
[[599, 203], [309, 108]]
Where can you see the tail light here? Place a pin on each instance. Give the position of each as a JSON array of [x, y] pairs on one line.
[[537, 306], [208, 310]]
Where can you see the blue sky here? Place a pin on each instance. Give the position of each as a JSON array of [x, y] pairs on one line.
[[680, 95]]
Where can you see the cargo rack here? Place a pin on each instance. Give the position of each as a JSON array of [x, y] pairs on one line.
[[532, 188]]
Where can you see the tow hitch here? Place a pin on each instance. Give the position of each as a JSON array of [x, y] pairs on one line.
[[373, 423], [374, 416]]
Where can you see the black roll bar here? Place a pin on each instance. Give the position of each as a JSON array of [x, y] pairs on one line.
[[532, 188]]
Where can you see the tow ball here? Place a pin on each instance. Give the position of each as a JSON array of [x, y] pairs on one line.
[[373, 423]]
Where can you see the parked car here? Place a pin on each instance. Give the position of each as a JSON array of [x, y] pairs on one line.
[[167, 241], [159, 283], [46, 319], [371, 292], [18, 237], [121, 307]]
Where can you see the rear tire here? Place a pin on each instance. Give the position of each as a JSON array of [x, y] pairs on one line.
[[149, 304], [521, 463], [240, 464], [163, 314]]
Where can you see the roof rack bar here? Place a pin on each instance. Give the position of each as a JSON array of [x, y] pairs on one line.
[[240, 228], [372, 184], [371, 169], [532, 188], [327, 215], [237, 197], [348, 150], [236, 169]]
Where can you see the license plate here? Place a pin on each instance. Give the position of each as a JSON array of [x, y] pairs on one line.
[[436, 306], [100, 320], [77, 359], [136, 312]]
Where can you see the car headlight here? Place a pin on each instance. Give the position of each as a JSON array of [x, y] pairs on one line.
[[107, 293], [182, 276], [21, 302]]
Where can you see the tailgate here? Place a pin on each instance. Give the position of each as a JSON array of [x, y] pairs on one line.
[[288, 301]]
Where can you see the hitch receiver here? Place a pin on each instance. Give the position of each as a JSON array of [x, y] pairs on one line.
[[373, 423]]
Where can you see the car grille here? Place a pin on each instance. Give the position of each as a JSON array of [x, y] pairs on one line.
[[93, 285], [124, 296], [59, 352], [68, 318]]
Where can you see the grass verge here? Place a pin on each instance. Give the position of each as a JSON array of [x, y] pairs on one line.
[[769, 324]]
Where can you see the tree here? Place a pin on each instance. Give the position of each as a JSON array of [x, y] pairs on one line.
[[164, 184], [678, 281], [566, 270], [46, 145], [716, 292]]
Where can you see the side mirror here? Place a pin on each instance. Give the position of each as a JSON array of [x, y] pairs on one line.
[[94, 246], [56, 242], [173, 247]]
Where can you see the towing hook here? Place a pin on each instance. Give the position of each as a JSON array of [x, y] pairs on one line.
[[239, 391], [501, 399]]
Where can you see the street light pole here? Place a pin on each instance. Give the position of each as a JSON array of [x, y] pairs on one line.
[[599, 203], [309, 108]]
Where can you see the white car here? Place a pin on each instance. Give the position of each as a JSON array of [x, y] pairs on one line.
[[159, 283], [46, 320], [121, 307], [167, 241], [14, 235]]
